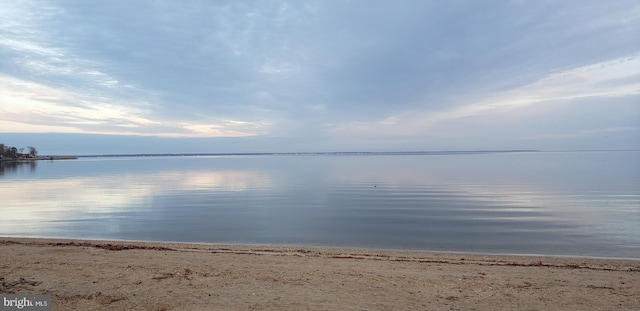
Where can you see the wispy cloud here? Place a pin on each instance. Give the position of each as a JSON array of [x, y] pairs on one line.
[[615, 78], [35, 107], [66, 92], [313, 70]]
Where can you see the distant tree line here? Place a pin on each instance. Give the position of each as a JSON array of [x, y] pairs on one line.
[[8, 152]]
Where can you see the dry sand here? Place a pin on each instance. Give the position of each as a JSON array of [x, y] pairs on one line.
[[97, 275]]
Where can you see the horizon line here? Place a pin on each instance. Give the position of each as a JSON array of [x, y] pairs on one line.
[[417, 152]]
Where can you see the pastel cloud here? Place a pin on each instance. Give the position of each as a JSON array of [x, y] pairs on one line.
[[38, 108], [362, 75], [615, 78]]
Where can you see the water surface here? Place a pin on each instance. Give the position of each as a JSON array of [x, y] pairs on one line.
[[552, 203]]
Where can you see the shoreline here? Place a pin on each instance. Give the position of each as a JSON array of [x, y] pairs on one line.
[[320, 247], [113, 275], [329, 252]]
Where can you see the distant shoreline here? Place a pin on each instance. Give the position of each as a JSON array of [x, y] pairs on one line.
[[320, 153], [340, 153], [333, 153], [50, 158]]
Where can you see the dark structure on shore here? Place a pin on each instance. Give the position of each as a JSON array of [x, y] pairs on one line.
[[13, 153]]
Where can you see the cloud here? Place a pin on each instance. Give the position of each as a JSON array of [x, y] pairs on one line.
[[36, 107], [614, 78], [312, 70]]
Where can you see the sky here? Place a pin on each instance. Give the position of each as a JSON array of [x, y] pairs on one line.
[[165, 76]]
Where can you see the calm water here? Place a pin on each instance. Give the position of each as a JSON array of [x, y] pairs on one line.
[[572, 203]]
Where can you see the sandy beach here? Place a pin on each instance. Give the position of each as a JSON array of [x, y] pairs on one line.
[[102, 275]]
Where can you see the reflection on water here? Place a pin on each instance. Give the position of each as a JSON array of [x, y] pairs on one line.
[[99, 197], [545, 203], [13, 167]]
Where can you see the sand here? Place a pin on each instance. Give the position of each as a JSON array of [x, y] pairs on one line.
[[101, 275]]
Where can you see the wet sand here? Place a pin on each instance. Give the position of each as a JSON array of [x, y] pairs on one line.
[[101, 275]]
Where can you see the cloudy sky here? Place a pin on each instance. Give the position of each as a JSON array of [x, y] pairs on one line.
[[87, 77]]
